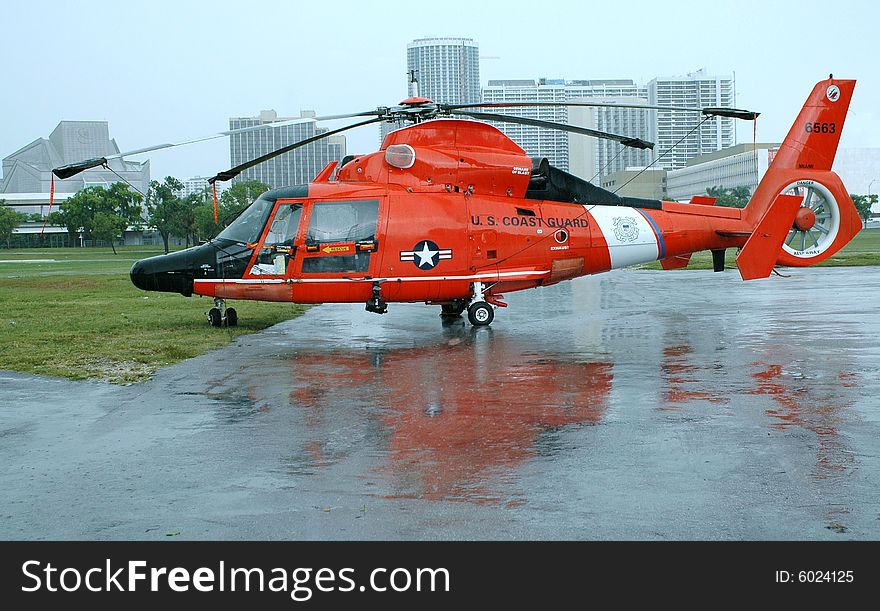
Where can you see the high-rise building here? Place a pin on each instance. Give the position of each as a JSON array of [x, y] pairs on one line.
[[296, 167], [198, 185], [537, 142], [681, 133], [581, 155], [447, 70], [29, 169]]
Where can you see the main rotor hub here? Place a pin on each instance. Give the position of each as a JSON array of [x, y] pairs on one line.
[[805, 219]]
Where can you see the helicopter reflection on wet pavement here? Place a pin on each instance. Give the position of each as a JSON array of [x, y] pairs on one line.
[[630, 405]]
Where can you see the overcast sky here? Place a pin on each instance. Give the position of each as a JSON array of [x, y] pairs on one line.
[[163, 70]]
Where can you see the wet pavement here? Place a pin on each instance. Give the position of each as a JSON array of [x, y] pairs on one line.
[[632, 405]]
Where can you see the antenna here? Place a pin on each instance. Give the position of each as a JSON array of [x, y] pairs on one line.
[[413, 83]]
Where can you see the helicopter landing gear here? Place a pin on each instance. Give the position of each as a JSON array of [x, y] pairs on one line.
[[220, 315], [376, 304], [480, 312], [454, 309]]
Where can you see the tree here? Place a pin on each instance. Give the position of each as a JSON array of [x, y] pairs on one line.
[[232, 202], [238, 197], [9, 220], [186, 224], [863, 205], [164, 207], [122, 201], [108, 227], [77, 213], [737, 197], [206, 228]]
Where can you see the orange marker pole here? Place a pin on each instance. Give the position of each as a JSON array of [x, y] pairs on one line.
[[216, 221], [51, 201]]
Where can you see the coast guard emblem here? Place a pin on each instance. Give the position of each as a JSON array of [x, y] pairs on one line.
[[625, 229]]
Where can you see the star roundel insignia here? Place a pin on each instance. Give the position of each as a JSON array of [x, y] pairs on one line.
[[426, 254]]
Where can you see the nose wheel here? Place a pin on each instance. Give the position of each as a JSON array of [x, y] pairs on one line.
[[220, 315]]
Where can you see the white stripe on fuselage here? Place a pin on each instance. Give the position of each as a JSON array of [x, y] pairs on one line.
[[483, 276], [628, 234]]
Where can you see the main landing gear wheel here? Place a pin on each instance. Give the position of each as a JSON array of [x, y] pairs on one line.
[[231, 317], [452, 310], [215, 318], [480, 314], [817, 222]]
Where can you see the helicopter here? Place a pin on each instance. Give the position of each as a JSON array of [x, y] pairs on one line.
[[451, 212]]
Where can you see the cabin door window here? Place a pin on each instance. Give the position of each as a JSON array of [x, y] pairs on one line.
[[341, 236]]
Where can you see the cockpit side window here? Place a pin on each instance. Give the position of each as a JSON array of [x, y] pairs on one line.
[[246, 229], [283, 229], [348, 224], [352, 221]]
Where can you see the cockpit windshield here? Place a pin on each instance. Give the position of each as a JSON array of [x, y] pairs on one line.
[[246, 229]]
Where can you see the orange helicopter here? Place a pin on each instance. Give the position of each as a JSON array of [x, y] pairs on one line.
[[452, 212]]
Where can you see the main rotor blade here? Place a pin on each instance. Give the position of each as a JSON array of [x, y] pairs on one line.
[[734, 113], [233, 172], [66, 171], [72, 169], [624, 140]]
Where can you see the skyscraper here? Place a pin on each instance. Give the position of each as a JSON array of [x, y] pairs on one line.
[[296, 167], [447, 71], [537, 142], [582, 155], [681, 133]]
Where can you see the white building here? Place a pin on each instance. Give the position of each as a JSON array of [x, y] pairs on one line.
[[680, 132], [198, 185], [34, 203], [649, 183], [293, 168], [29, 169], [583, 156], [537, 142], [447, 71], [859, 169], [738, 166]]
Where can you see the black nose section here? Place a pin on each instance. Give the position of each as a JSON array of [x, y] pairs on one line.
[[139, 277], [171, 273], [176, 271]]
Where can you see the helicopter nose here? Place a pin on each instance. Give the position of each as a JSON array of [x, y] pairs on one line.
[[139, 276], [171, 273]]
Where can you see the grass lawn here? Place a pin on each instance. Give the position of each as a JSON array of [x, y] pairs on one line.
[[79, 316]]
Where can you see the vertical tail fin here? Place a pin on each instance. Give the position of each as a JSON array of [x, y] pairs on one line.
[[827, 219]]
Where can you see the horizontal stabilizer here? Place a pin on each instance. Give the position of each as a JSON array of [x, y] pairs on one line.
[[676, 262]]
